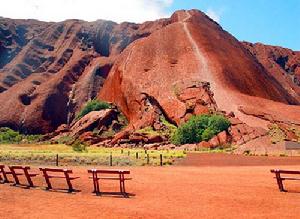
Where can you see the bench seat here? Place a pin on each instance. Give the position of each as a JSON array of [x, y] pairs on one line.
[[280, 176], [65, 174], [62, 177], [109, 178], [102, 174]]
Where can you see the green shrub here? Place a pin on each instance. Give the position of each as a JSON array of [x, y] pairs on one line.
[[170, 128], [93, 105], [218, 123], [8, 135], [207, 134], [78, 146], [199, 128]]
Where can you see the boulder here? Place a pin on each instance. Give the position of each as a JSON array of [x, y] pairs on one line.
[[214, 142], [119, 136], [62, 129], [223, 138], [94, 119], [153, 146], [204, 144], [137, 138], [154, 139]]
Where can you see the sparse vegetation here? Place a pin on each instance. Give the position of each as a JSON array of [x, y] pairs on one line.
[[167, 130], [8, 135], [65, 140], [200, 128], [78, 146], [93, 105], [171, 129], [148, 131], [46, 155], [276, 134]]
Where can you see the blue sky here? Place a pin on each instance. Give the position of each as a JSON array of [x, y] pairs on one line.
[[274, 22]]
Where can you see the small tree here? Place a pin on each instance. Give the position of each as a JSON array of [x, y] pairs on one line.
[[93, 105]]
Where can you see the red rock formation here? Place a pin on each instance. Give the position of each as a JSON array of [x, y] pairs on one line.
[[49, 70], [193, 50], [174, 67], [281, 63]]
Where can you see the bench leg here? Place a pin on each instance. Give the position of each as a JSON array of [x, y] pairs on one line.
[[279, 182], [97, 184], [5, 178], [69, 182], [49, 186], [17, 182], [122, 185], [30, 183], [94, 182]]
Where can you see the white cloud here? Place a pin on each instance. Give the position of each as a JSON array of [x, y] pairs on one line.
[[89, 10], [216, 16]]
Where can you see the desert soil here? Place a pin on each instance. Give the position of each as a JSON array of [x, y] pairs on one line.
[[217, 186]]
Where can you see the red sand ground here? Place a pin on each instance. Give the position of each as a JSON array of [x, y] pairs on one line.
[[208, 191]]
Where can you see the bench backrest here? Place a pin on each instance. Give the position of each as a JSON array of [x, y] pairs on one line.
[[109, 171], [286, 171], [56, 170], [19, 167]]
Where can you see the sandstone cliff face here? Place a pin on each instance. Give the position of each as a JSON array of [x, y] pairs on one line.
[[193, 50], [174, 67], [49, 70], [283, 64]]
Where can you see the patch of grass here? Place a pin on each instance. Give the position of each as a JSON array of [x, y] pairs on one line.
[[296, 130], [176, 90], [167, 130], [148, 131], [93, 105], [8, 135], [170, 128], [78, 146], [122, 119], [276, 134], [46, 155], [107, 134], [65, 140]]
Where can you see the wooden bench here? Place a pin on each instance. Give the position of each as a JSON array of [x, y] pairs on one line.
[[280, 178], [3, 174], [22, 170], [65, 175], [107, 175]]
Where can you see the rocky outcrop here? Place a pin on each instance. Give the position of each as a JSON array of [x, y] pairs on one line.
[[170, 68], [176, 76], [93, 120], [281, 63], [48, 71]]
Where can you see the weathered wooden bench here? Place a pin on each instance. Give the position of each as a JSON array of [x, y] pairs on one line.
[[280, 178], [3, 174], [17, 171], [65, 175], [98, 174]]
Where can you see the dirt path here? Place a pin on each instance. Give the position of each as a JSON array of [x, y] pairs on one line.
[[224, 160], [163, 192], [203, 67]]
